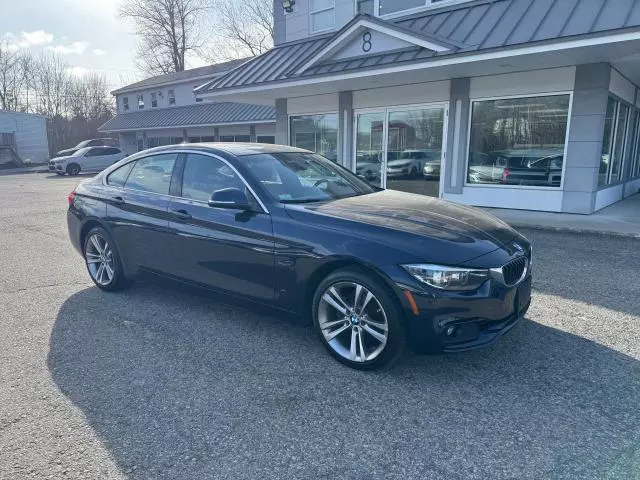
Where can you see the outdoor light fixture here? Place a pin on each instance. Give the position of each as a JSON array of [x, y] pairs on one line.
[[288, 5]]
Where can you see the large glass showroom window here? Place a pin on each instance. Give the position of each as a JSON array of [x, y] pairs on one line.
[[318, 133], [613, 143], [518, 141]]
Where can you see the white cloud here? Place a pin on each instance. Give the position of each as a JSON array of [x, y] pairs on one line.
[[99, 52], [29, 39], [77, 48], [78, 71]]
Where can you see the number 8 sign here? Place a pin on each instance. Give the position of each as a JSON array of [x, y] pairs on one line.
[[366, 41]]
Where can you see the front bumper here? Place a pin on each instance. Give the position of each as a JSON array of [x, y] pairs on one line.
[[458, 322], [55, 167]]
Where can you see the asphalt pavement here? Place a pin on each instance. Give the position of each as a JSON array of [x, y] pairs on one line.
[[158, 383]]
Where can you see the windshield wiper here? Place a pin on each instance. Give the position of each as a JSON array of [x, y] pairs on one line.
[[305, 200]]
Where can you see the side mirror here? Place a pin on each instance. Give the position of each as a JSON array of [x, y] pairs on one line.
[[230, 198]]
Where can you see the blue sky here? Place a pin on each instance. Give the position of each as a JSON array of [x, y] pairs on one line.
[[88, 33]]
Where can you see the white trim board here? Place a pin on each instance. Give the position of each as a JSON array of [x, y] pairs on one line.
[[520, 199], [608, 196]]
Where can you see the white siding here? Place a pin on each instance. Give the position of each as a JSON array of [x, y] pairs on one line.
[[298, 22], [313, 104], [433, 92], [183, 92], [523, 83], [523, 199], [31, 135], [607, 196], [623, 88]]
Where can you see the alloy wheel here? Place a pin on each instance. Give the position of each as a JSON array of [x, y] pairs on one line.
[[99, 257], [353, 321]]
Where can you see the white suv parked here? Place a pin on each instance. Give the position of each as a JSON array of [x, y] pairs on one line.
[[89, 159]]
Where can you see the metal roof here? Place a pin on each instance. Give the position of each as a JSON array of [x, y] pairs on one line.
[[184, 76], [471, 26], [218, 113]]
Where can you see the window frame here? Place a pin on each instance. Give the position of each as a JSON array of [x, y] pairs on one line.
[[125, 103], [154, 99], [177, 174], [171, 97], [428, 5], [129, 165], [627, 156], [511, 97], [322, 10], [140, 98], [136, 160], [290, 117]]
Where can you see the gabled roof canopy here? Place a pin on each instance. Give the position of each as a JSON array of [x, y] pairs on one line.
[[366, 35]]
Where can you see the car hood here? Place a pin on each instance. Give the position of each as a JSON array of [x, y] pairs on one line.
[[66, 153], [467, 231], [60, 159]]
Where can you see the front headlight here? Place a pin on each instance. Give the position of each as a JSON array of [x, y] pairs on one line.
[[448, 278]]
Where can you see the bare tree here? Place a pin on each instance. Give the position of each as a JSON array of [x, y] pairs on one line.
[[245, 29], [11, 78], [168, 31]]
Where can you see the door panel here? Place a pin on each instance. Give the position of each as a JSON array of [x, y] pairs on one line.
[[228, 249], [138, 213], [370, 146], [414, 150]]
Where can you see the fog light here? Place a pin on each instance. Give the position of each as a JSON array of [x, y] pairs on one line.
[[450, 331]]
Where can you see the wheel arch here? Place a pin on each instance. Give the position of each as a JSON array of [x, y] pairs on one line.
[[335, 264]]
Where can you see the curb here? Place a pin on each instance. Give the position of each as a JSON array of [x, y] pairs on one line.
[[19, 171], [577, 230]]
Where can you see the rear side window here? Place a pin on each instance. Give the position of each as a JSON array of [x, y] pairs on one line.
[[203, 175], [95, 152], [152, 174], [119, 176]]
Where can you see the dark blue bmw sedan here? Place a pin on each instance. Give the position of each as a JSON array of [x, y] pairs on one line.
[[376, 270]]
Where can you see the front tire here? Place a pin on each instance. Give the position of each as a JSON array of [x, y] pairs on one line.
[[357, 320], [73, 169], [103, 262]]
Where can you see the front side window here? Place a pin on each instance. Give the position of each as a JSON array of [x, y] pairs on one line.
[[125, 104], [518, 141], [154, 99], [204, 175], [152, 174], [140, 102], [118, 177], [303, 177], [317, 133], [322, 15]]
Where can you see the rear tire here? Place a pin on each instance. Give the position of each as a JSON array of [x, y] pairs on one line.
[[103, 261], [358, 320], [73, 169]]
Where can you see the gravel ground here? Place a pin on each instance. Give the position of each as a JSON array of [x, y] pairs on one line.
[[155, 383]]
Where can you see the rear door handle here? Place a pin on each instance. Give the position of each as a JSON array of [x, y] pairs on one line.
[[182, 214], [118, 200]]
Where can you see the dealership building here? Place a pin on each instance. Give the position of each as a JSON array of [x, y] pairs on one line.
[[526, 104]]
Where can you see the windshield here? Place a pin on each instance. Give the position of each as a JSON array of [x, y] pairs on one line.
[[294, 177]]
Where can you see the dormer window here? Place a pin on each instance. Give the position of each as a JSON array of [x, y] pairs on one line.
[[322, 15], [140, 102]]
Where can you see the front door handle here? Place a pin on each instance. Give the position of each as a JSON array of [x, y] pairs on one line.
[[118, 200], [182, 214]]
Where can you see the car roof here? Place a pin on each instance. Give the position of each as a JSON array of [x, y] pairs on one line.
[[237, 149]]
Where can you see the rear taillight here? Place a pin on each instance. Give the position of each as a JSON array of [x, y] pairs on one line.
[[71, 197], [505, 174]]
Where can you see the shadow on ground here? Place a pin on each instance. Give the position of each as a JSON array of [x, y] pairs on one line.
[[182, 386]]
